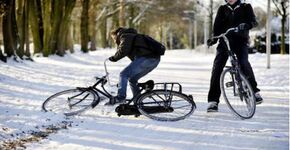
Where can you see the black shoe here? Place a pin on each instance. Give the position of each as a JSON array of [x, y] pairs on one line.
[[213, 107], [115, 100], [259, 99]]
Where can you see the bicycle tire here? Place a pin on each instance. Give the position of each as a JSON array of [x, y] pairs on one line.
[[152, 105], [70, 102], [242, 105]]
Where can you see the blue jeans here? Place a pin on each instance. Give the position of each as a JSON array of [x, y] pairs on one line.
[[133, 72]]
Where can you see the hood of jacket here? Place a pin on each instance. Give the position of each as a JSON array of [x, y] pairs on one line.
[[126, 30]]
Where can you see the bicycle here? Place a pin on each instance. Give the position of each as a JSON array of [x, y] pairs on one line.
[[235, 87], [157, 101]]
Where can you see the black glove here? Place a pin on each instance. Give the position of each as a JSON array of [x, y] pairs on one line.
[[112, 59], [211, 42], [243, 27]]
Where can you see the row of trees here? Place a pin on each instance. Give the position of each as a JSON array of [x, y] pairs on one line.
[[53, 26], [47, 21]]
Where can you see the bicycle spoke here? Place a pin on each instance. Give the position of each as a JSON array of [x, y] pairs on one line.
[[238, 96], [178, 103], [70, 102]]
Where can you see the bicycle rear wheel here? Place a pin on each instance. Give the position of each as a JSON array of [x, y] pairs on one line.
[[69, 102], [239, 98], [164, 105]]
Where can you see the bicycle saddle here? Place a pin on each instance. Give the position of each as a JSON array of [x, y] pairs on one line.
[[148, 85]]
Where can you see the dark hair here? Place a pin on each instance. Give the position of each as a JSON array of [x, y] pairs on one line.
[[116, 31]]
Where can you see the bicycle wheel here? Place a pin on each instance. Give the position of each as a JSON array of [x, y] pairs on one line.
[[239, 98], [69, 102], [164, 105]]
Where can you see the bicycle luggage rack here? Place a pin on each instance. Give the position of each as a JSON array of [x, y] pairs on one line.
[[170, 86]]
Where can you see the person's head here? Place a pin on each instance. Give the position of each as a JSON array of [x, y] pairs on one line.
[[231, 2], [114, 35]]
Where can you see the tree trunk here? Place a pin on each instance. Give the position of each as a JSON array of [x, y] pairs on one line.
[[210, 24], [69, 40], [2, 57], [35, 23], [93, 24], [103, 32], [20, 18], [115, 22], [65, 26], [10, 29], [283, 20], [46, 27], [122, 14], [85, 26], [56, 21], [26, 30], [131, 13]]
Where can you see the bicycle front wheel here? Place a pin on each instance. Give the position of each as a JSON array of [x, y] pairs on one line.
[[238, 94], [164, 105], [69, 102]]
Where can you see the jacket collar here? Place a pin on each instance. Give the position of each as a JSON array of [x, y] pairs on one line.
[[235, 6]]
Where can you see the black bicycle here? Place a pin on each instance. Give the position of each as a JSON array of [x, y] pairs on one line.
[[235, 87], [158, 101]]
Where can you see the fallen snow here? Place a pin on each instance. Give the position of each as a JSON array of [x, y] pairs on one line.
[[25, 85]]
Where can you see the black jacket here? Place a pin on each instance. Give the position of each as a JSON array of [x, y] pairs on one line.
[[231, 16], [131, 44]]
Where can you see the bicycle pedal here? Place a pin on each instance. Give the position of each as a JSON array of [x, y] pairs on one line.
[[229, 84]]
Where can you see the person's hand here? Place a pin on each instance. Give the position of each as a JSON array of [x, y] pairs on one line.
[[243, 27], [211, 42], [112, 59]]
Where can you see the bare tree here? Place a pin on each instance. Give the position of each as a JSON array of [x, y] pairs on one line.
[[85, 26], [281, 9], [10, 29], [209, 10], [122, 14]]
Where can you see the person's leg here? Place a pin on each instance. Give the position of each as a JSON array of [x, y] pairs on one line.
[[133, 69], [242, 55], [219, 63], [145, 66], [123, 79]]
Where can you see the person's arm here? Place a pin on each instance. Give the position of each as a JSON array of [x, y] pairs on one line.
[[218, 22], [124, 48], [252, 22]]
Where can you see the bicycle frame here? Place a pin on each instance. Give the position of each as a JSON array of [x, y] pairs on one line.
[[235, 68], [232, 56], [106, 79], [103, 81]]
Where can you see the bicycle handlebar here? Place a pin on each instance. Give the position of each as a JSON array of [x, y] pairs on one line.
[[106, 71], [223, 34], [105, 65]]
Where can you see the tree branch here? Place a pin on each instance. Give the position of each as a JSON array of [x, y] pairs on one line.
[[278, 9]]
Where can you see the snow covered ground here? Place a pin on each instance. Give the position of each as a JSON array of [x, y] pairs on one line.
[[24, 86]]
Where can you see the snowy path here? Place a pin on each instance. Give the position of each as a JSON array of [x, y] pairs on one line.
[[24, 86]]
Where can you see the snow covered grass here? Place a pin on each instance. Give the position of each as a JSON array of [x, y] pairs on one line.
[[24, 86]]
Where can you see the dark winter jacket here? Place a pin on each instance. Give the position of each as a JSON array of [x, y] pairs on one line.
[[231, 16], [131, 45]]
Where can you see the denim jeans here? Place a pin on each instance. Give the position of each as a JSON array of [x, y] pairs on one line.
[[133, 72]]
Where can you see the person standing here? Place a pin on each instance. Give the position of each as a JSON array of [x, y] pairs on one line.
[[143, 60], [232, 14]]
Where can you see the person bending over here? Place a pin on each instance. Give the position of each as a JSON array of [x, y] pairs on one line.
[[131, 44]]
